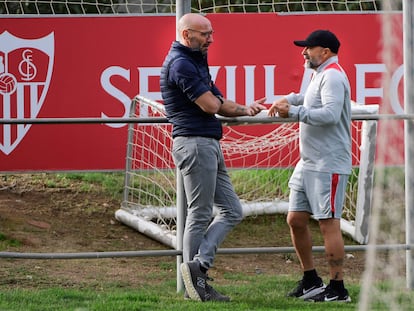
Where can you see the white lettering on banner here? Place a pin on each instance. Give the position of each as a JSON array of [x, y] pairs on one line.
[[230, 81], [214, 72], [362, 91], [270, 83], [114, 92], [249, 83], [144, 74], [144, 90], [395, 98]]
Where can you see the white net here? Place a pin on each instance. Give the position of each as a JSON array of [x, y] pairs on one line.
[[169, 6], [384, 283], [261, 159], [285, 6]]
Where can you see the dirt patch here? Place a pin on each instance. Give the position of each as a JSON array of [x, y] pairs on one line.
[[38, 218]]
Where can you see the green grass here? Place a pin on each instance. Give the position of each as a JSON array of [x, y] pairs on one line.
[[251, 182], [112, 183], [247, 183], [257, 292], [6, 242], [260, 292]]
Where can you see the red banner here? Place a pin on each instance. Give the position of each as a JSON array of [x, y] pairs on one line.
[[73, 67]]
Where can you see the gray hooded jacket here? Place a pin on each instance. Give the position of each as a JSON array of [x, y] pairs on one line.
[[324, 112]]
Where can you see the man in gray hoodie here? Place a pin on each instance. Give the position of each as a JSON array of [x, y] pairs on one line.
[[318, 183]]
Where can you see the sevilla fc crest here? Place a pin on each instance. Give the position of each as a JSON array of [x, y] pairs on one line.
[[25, 72]]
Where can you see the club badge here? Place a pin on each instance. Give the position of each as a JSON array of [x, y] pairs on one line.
[[26, 67]]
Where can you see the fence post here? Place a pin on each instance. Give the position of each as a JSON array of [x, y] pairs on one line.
[[408, 24], [183, 7], [365, 181]]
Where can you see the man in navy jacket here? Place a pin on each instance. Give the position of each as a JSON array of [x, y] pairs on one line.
[[192, 101]]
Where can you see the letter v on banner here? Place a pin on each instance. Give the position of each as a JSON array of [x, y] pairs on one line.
[[26, 67]]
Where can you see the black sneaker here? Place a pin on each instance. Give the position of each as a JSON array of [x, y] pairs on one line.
[[213, 295], [194, 280], [303, 292], [329, 294]]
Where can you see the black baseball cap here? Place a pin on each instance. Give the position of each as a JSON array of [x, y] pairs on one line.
[[323, 38]]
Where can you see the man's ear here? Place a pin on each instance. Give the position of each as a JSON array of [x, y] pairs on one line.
[[184, 34]]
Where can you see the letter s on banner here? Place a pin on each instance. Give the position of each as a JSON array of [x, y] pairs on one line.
[[116, 93]]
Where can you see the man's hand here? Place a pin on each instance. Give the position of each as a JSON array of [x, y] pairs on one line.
[[256, 107], [280, 107]]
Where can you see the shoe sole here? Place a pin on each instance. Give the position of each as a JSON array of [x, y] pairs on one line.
[[347, 300], [217, 296], [312, 293], [188, 282]]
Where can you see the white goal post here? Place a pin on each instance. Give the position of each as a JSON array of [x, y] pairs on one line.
[[260, 163]]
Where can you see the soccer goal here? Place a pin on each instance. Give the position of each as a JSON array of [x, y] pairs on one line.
[[260, 153]]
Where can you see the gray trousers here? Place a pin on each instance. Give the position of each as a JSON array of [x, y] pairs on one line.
[[206, 183]]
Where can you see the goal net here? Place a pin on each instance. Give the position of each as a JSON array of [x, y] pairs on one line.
[[260, 159], [170, 6], [387, 282]]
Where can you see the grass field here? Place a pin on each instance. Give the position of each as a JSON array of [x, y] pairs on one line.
[[75, 213], [248, 293]]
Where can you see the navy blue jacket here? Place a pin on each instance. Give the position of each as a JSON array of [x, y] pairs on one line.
[[185, 76]]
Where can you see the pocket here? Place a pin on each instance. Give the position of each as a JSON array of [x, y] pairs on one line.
[[179, 154], [184, 154]]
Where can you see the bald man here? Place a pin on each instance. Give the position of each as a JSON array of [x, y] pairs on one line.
[[191, 101]]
